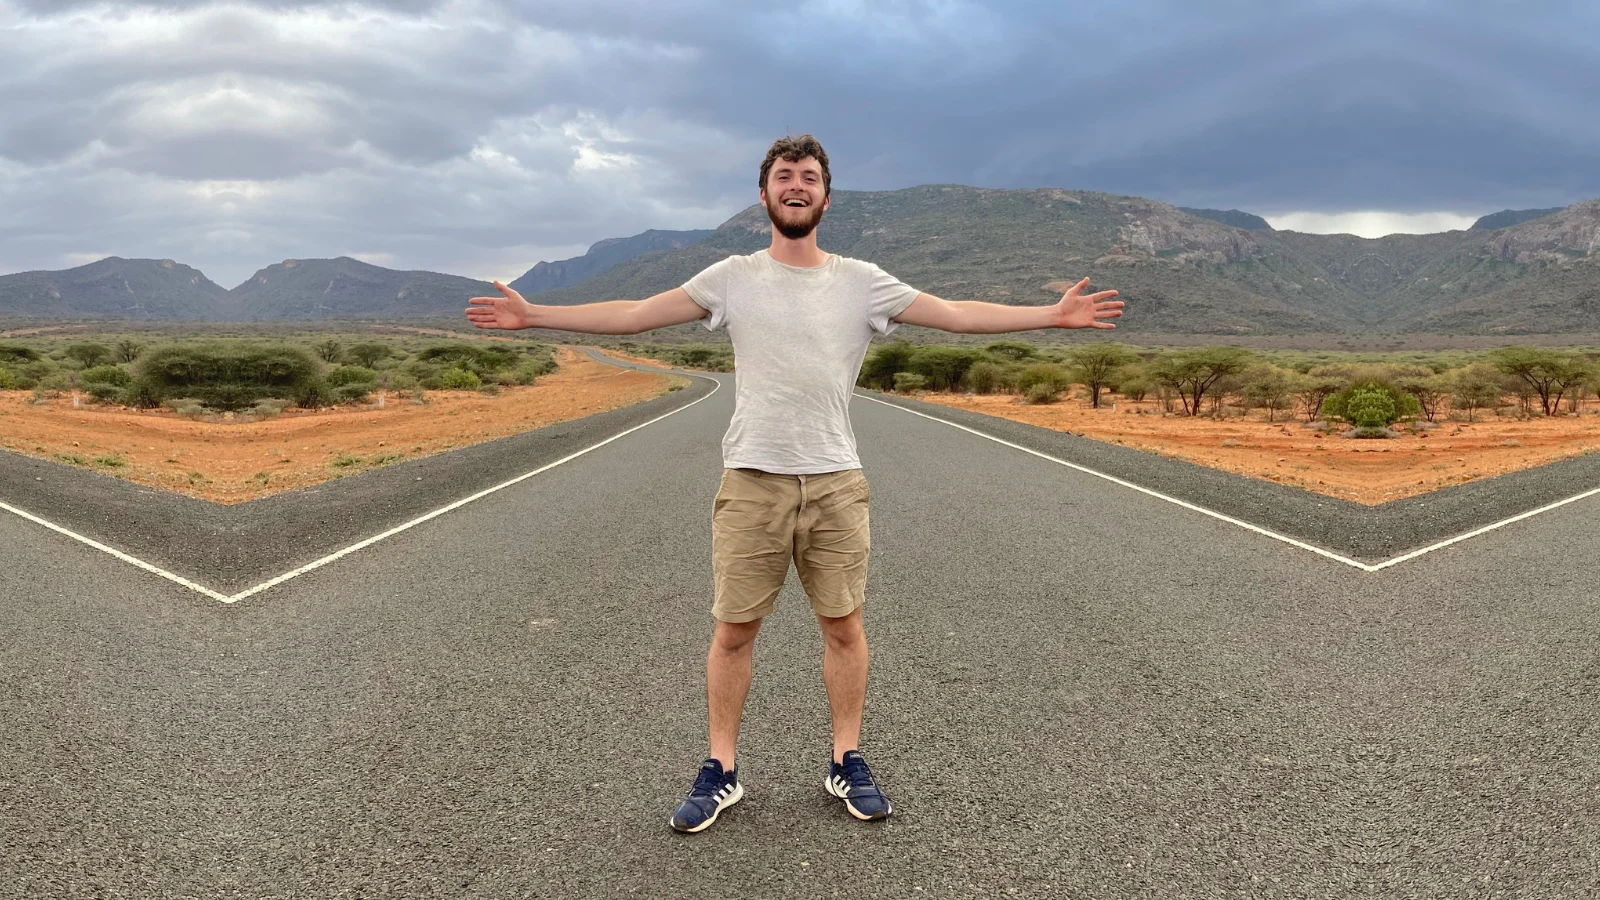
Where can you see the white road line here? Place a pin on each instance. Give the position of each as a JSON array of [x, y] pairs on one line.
[[459, 503], [215, 595], [1365, 567], [154, 570], [1477, 531]]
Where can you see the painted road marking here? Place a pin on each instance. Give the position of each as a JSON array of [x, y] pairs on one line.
[[1354, 563], [273, 582]]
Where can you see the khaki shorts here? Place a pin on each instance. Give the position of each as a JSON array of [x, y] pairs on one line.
[[762, 521]]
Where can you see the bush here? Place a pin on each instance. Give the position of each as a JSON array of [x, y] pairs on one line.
[[1371, 405], [269, 407], [226, 376], [1370, 408], [883, 363], [345, 375], [312, 394], [460, 380], [906, 382], [985, 377], [112, 375], [1050, 374], [106, 392], [1042, 392], [9, 380], [354, 392]]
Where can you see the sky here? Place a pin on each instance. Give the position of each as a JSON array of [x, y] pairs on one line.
[[478, 138]]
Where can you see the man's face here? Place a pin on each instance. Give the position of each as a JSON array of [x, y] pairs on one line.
[[794, 196]]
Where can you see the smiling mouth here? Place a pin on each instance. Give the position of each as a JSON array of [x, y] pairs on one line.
[[796, 204]]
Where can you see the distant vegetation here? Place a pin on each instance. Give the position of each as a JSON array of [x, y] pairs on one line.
[[1370, 393], [262, 376]]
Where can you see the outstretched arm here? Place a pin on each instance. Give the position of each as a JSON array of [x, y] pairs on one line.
[[510, 311], [973, 317]]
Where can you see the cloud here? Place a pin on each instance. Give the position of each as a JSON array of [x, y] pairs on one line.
[[477, 137], [1372, 223]]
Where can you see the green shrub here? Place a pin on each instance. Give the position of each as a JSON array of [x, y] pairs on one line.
[[106, 392], [882, 363], [398, 381], [459, 380], [1051, 374], [351, 375], [312, 394], [354, 392], [943, 367], [9, 380], [985, 377], [906, 382], [1042, 392], [226, 376], [1370, 408], [112, 375], [1371, 405]]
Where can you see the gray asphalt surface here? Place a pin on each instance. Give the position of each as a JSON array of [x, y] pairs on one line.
[[1077, 691]]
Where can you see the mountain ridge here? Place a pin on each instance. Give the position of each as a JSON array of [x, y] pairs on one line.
[[1181, 273]]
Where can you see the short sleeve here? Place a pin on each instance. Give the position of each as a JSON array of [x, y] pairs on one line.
[[887, 297], [709, 289]]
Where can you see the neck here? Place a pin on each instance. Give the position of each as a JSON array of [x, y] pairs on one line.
[[803, 252]]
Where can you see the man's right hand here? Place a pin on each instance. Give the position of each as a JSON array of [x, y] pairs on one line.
[[508, 311]]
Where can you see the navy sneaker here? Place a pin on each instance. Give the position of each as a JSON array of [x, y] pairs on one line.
[[713, 792], [852, 782]]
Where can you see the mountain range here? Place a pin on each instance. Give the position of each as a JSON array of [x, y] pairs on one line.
[[1194, 271]]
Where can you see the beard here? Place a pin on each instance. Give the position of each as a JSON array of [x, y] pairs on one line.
[[794, 224]]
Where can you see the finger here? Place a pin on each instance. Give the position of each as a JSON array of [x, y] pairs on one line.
[[1108, 314], [484, 301], [1109, 304], [1104, 325], [507, 291], [1102, 294]]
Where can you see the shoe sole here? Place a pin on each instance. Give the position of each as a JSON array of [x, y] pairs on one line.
[[888, 807], [738, 793]]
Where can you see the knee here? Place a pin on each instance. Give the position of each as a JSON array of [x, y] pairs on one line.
[[844, 633], [734, 638]]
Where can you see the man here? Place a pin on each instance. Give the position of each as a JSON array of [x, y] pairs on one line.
[[792, 487]]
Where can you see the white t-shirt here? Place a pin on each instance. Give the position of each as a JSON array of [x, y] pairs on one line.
[[799, 335]]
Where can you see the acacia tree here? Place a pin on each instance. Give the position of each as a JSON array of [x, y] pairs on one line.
[[1429, 389], [1096, 365], [369, 353], [1317, 385], [1192, 373], [128, 350], [1267, 386], [89, 355], [1547, 373]]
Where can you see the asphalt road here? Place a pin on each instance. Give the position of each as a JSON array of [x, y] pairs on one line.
[[1078, 690]]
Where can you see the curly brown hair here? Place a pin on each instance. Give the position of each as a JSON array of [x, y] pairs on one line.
[[794, 149]]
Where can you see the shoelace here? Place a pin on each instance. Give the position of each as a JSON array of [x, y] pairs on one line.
[[707, 783], [856, 772]]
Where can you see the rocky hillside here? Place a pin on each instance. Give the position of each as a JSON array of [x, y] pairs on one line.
[[113, 288], [1182, 273], [1232, 217], [345, 287], [549, 276], [1187, 274], [1506, 218]]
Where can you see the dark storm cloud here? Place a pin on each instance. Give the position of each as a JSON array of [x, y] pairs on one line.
[[478, 137]]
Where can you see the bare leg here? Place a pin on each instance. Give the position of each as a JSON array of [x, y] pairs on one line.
[[844, 671], [727, 684]]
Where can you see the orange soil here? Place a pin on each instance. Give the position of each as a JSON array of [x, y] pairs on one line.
[[1366, 471], [235, 461]]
